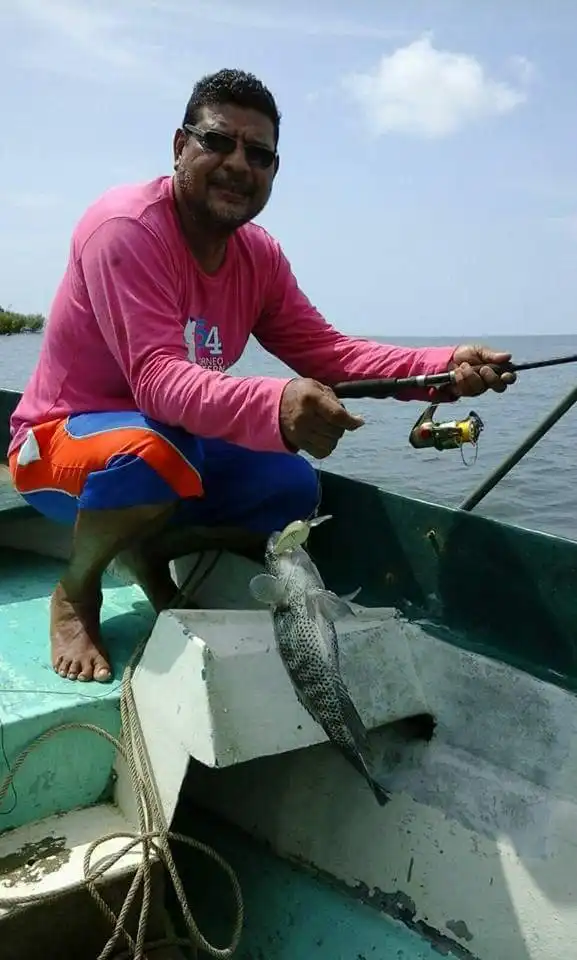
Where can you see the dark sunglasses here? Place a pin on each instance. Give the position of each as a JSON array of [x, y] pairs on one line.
[[216, 142]]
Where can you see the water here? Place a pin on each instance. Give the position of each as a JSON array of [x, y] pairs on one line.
[[540, 492]]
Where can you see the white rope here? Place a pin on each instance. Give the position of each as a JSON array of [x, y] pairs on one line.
[[153, 837]]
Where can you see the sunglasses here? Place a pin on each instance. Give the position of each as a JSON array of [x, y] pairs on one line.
[[216, 142]]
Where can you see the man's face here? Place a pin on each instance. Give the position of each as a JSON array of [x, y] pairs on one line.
[[225, 182]]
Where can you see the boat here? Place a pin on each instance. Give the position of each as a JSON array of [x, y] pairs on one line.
[[223, 801]]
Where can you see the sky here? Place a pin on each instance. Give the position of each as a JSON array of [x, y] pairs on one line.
[[428, 178]]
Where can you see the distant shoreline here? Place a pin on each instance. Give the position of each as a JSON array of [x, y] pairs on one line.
[[11, 322]]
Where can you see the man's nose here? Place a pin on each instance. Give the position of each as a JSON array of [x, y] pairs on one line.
[[237, 159]]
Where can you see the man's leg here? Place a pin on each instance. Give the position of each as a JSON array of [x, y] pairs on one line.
[[247, 496], [116, 477], [77, 651]]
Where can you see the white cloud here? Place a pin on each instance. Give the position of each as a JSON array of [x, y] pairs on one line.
[[95, 39], [421, 91], [523, 67], [104, 40], [251, 16], [93, 29]]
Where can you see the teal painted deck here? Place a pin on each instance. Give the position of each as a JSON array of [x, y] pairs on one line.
[[73, 769], [289, 913]]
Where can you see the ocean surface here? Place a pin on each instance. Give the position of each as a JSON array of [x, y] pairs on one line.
[[539, 493]]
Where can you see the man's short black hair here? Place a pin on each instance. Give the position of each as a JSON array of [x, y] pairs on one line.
[[236, 87]]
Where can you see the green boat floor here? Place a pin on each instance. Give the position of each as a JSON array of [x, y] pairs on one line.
[[290, 913], [73, 768]]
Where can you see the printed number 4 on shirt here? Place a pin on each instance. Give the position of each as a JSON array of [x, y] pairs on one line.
[[213, 342]]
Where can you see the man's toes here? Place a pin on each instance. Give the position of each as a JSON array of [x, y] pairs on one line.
[[86, 671], [62, 666], [74, 670], [103, 674], [101, 670]]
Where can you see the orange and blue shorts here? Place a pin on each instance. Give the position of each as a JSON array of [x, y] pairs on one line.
[[111, 461]]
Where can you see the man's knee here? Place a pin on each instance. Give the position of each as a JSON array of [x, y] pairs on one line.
[[260, 492], [298, 492]]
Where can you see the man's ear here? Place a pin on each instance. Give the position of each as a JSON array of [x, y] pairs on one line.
[[178, 143]]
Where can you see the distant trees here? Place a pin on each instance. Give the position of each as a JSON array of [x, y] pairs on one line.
[[11, 322]]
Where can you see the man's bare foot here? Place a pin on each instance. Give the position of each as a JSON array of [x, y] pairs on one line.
[[77, 651]]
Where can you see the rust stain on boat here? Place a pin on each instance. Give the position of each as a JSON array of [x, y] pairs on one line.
[[401, 907], [460, 929], [34, 861]]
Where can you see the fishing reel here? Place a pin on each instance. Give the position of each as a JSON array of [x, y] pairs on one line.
[[447, 435]]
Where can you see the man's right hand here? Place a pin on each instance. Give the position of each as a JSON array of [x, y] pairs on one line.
[[313, 419]]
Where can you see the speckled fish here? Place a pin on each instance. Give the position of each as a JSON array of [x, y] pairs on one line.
[[303, 613]]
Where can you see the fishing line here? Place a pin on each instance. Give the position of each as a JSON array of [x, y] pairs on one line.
[[35, 691], [6, 813]]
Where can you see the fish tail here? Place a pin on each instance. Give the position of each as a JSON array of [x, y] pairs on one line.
[[357, 760], [382, 795]]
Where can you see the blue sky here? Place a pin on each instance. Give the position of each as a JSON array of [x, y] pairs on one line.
[[428, 181]]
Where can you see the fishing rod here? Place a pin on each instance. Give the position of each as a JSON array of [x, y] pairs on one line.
[[450, 434], [380, 389]]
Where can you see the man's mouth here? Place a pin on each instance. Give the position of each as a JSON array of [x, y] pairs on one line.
[[231, 193]]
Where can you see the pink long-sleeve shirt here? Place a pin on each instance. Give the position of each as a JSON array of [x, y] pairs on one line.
[[137, 324]]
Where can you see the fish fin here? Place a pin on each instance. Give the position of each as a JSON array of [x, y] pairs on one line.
[[381, 794], [328, 604], [351, 716], [267, 589], [359, 763], [347, 597], [360, 735], [334, 648]]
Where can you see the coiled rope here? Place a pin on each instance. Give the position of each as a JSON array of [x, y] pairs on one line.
[[153, 837]]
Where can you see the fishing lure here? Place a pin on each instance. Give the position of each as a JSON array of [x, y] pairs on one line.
[[295, 534]]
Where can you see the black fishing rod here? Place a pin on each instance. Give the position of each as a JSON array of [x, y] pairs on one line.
[[385, 387]]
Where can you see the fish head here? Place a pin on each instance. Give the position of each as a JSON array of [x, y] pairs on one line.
[[271, 549], [289, 574]]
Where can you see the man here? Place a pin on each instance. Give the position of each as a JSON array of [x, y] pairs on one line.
[[130, 422]]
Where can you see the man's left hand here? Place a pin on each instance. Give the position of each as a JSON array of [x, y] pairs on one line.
[[473, 375]]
